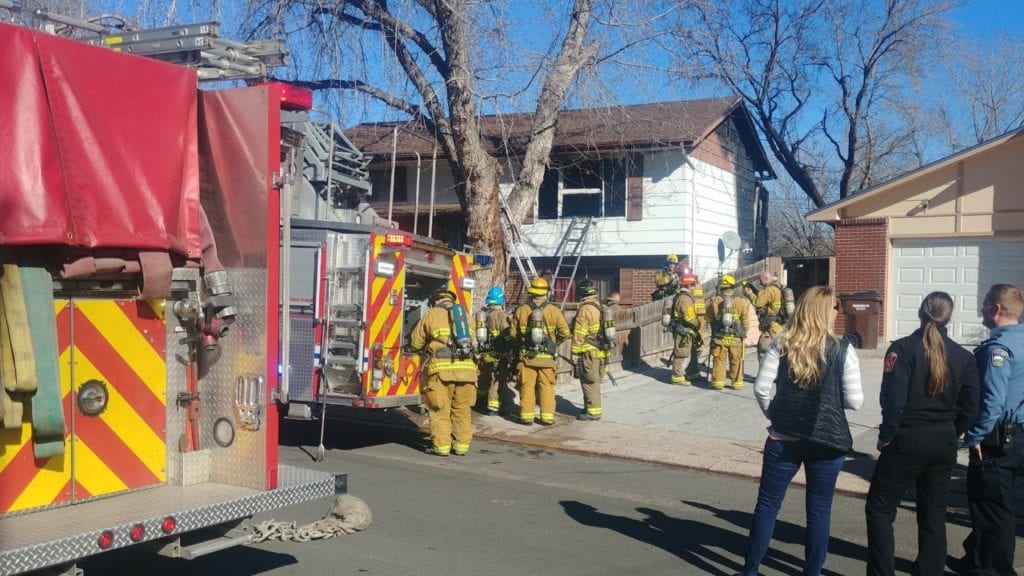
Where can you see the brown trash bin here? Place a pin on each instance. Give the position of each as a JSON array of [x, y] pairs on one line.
[[861, 310]]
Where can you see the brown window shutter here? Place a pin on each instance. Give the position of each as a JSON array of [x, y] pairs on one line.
[[626, 295], [635, 187]]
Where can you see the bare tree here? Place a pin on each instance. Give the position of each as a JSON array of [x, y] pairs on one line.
[[818, 72], [988, 81], [452, 58], [791, 234]]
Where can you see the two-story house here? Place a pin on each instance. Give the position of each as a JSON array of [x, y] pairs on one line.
[[670, 177]]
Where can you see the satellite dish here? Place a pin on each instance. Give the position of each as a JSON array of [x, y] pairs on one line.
[[732, 240]]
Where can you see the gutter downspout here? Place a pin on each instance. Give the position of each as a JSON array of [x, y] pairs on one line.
[[433, 183], [394, 153], [693, 205], [416, 210]]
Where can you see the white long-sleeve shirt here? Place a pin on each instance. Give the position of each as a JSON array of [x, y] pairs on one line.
[[853, 394]]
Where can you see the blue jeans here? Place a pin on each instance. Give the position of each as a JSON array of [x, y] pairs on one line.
[[781, 461]]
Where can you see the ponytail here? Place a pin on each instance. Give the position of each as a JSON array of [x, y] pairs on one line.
[[935, 312], [935, 355]]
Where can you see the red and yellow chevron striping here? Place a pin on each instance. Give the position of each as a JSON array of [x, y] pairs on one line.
[[122, 344]]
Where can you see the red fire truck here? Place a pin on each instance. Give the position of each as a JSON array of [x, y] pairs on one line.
[[140, 288], [199, 260]]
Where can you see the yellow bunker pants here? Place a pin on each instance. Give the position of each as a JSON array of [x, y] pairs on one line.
[[534, 383], [449, 404], [726, 358]]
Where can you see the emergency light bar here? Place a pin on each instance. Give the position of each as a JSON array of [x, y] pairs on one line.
[[397, 240], [293, 97]]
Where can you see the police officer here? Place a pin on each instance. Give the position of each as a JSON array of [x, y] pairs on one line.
[[665, 288], [539, 327], [494, 365], [729, 313], [589, 349], [686, 331], [451, 377], [929, 396], [768, 303], [996, 439]]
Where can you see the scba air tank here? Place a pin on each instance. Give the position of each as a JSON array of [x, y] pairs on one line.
[[481, 327], [608, 323], [727, 316], [788, 301], [537, 330], [460, 326]]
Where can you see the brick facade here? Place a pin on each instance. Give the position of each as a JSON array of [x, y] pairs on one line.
[[861, 248]]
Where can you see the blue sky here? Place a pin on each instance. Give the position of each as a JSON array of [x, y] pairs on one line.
[[979, 18]]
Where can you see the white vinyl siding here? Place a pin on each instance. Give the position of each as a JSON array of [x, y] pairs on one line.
[[668, 183]]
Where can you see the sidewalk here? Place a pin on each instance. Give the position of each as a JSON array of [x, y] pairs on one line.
[[646, 418]]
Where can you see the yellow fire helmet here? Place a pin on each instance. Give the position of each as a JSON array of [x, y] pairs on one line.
[[539, 287], [727, 282], [672, 258], [661, 278]]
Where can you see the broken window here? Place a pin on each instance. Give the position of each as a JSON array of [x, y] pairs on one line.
[[584, 188]]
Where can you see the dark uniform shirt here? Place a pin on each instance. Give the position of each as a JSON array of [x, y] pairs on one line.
[[906, 405], [1001, 363]]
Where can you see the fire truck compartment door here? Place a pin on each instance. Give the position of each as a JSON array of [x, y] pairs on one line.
[[113, 378]]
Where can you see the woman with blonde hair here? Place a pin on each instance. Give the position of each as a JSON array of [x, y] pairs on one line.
[[816, 375]]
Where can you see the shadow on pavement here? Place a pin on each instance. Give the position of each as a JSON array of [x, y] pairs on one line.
[[792, 534], [694, 542]]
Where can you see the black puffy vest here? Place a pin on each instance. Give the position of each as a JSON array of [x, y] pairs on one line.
[[815, 414]]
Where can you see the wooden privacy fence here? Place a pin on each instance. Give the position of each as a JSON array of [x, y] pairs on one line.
[[641, 340]]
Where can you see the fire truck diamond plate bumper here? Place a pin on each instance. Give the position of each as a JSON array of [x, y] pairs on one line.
[[40, 539]]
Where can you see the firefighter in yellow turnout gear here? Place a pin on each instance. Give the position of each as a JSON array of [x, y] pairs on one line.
[[686, 325], [451, 376], [768, 303], [494, 363], [539, 327], [589, 349], [729, 313]]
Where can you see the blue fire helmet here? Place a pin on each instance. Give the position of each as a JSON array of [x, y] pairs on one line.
[[495, 296]]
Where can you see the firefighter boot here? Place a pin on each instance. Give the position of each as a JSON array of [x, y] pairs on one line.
[[679, 370]]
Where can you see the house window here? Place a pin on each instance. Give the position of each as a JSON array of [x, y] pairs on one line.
[[584, 188], [380, 179]]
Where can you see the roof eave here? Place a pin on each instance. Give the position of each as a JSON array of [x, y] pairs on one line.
[[830, 212]]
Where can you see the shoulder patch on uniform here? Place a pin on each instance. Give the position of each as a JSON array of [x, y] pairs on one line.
[[890, 361], [999, 356]]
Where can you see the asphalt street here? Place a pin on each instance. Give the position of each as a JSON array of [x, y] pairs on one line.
[[508, 509]]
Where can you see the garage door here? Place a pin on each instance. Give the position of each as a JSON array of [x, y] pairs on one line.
[[965, 268]]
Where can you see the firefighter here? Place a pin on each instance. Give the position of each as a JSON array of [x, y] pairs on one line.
[[729, 313], [451, 373], [494, 365], [589, 348], [686, 330], [768, 303], [664, 286], [538, 327], [672, 269]]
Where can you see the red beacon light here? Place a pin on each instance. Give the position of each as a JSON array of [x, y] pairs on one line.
[[293, 97], [106, 539], [393, 239]]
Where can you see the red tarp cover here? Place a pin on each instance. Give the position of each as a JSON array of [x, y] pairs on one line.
[[99, 148]]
